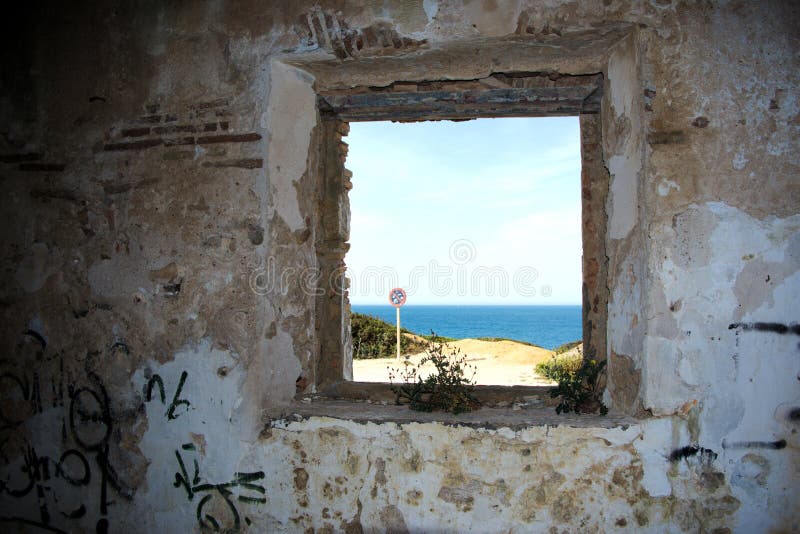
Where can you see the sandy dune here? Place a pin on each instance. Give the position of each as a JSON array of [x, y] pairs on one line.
[[504, 363]]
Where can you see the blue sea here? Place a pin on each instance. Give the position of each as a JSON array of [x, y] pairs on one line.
[[545, 326]]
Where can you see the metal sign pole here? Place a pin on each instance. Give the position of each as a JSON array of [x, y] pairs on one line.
[[398, 333], [397, 297]]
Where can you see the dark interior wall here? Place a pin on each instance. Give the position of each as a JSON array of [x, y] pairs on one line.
[[154, 161]]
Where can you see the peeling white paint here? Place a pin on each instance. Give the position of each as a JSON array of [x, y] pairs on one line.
[[500, 21], [655, 433], [624, 153], [665, 186], [448, 487], [622, 195], [292, 116], [431, 7], [206, 419]]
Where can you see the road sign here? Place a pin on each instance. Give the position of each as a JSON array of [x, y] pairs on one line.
[[397, 297]]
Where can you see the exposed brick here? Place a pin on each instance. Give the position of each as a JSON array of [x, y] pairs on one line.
[[246, 163], [228, 138], [223, 125], [219, 102], [16, 158], [133, 145], [42, 167], [178, 141], [135, 132], [211, 127], [177, 128]]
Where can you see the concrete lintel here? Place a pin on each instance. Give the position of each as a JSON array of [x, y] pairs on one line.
[[457, 104]]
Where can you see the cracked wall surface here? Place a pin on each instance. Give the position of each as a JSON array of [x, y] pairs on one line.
[[161, 230]]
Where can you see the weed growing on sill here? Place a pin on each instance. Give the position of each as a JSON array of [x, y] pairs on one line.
[[448, 388], [578, 382]]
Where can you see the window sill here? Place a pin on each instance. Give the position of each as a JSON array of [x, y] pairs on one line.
[[517, 417], [489, 396]]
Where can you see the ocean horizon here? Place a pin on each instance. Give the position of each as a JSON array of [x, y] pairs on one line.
[[547, 326]]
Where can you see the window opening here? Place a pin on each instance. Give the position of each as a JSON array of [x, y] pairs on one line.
[[480, 222], [525, 94]]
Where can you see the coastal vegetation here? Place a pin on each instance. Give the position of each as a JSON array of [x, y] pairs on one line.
[[579, 387], [436, 375], [374, 338], [448, 388]]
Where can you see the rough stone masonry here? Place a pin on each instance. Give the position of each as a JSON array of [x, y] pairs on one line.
[[160, 161]]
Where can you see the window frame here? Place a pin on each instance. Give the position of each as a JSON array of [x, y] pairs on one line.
[[498, 95]]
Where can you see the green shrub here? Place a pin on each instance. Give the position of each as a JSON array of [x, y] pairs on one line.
[[560, 365], [449, 388], [578, 382], [374, 338]]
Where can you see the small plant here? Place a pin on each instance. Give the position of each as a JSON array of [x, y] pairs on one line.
[[449, 388], [578, 382]]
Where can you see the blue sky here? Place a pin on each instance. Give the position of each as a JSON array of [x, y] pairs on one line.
[[478, 212]]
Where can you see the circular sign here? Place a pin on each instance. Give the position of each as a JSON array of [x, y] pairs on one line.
[[397, 297]]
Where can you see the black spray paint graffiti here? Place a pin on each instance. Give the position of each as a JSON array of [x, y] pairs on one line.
[[23, 392], [776, 328], [177, 401], [86, 421], [242, 487], [706, 455], [37, 475], [775, 445], [217, 508]]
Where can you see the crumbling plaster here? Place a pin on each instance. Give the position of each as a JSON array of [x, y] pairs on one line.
[[157, 322]]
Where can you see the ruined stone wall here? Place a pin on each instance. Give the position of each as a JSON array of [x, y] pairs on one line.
[[160, 235]]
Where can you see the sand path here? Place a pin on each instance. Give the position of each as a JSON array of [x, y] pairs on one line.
[[505, 363]]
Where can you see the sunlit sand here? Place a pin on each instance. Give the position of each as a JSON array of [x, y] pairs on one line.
[[506, 363]]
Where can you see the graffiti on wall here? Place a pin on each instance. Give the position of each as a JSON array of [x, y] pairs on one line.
[[82, 460], [218, 503], [223, 514], [57, 439], [177, 402]]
